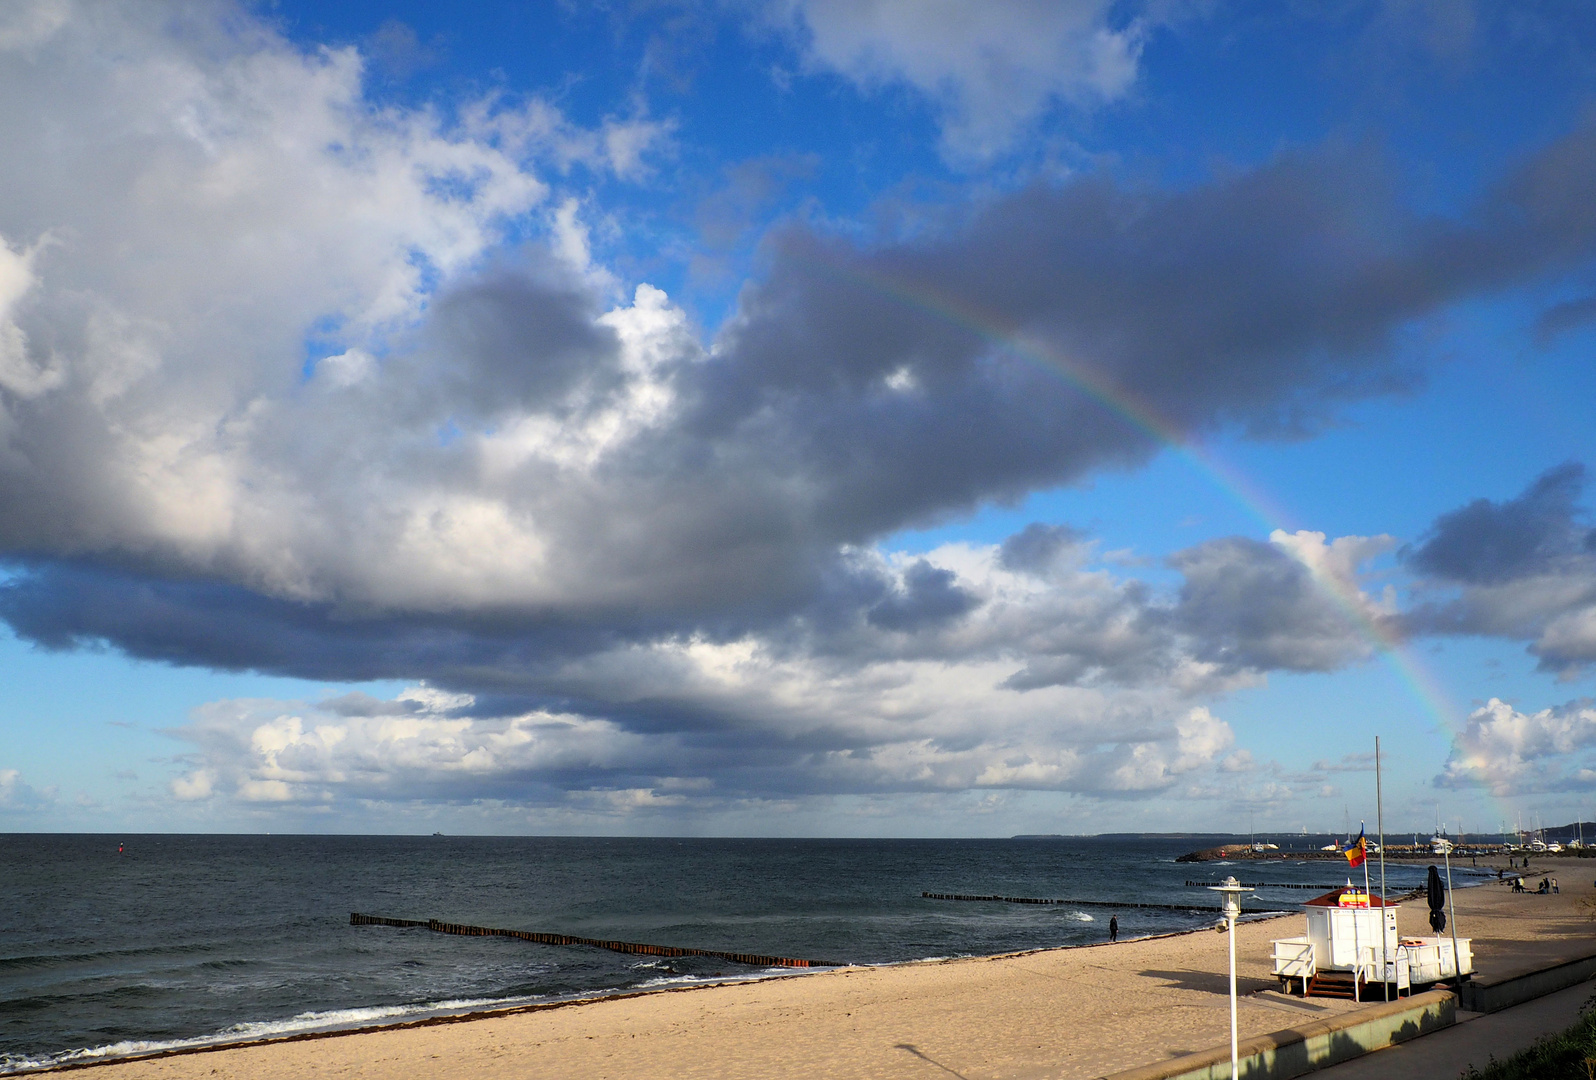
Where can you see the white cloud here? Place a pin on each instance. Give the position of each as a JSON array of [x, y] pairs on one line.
[[227, 198], [347, 368], [992, 68], [415, 746], [902, 707], [628, 145], [1512, 752], [20, 373], [623, 146], [1337, 566], [18, 796], [193, 786], [27, 25]]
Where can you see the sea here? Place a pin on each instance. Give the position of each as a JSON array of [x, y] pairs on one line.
[[114, 946]]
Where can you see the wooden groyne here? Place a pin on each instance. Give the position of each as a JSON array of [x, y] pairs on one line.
[[1213, 908], [636, 948]]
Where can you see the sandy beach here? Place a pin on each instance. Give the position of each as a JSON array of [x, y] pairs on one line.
[[1065, 1013]]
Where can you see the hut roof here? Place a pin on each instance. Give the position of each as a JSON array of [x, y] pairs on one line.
[[1333, 898]]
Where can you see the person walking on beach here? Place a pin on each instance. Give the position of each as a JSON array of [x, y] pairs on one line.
[[1113, 928]]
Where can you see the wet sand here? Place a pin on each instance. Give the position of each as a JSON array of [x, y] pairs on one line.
[[1065, 1013]]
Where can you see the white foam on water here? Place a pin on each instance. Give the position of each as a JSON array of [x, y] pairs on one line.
[[671, 980], [341, 1019], [328, 1020], [1081, 916]]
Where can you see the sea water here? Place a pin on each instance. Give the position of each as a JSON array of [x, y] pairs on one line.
[[118, 945]]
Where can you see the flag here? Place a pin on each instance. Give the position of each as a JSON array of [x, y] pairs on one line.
[[1357, 851]]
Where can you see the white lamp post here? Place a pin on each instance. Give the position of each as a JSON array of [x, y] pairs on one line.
[[1230, 893]]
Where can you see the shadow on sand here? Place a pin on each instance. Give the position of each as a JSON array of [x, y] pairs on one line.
[[1208, 982], [915, 1050]]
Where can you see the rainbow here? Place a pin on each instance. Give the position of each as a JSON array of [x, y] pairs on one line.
[[1422, 684]]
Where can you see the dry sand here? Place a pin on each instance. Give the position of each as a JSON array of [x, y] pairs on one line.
[[1067, 1013]]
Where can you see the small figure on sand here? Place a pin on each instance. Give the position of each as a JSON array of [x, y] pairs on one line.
[[1113, 928], [1554, 885]]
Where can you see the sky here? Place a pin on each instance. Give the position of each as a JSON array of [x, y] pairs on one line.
[[796, 417]]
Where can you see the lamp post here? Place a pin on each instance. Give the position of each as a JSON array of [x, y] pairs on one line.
[[1230, 896], [1457, 961]]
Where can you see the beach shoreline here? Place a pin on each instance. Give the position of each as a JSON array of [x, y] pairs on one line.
[[472, 1015]]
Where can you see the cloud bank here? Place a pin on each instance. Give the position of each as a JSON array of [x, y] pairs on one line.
[[294, 382]]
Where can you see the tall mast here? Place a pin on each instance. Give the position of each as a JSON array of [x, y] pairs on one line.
[[1379, 816]]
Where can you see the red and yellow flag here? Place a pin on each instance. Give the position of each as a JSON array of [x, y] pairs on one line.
[[1357, 851]]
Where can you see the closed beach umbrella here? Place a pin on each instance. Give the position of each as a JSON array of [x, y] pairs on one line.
[[1437, 897]]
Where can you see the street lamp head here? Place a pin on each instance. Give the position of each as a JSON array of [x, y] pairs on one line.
[[1230, 891]]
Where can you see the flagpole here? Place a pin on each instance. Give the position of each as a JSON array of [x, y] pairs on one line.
[[1379, 820], [1363, 835], [1357, 948], [1457, 961]]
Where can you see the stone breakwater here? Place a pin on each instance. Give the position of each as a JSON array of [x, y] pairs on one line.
[[1239, 852], [1246, 853]]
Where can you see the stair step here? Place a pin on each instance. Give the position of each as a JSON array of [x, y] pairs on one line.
[[1332, 985]]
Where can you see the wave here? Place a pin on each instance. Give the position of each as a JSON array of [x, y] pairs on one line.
[[303, 1023], [58, 959], [344, 1019]]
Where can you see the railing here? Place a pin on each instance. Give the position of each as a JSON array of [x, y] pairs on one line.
[[1378, 966], [1295, 958]]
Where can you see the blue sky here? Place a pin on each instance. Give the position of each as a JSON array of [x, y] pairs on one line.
[[795, 417]]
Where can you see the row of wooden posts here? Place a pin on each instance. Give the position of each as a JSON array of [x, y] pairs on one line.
[[438, 926], [1086, 903]]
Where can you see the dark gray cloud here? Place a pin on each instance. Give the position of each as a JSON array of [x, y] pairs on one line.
[[1561, 318], [1037, 547], [1522, 569], [1246, 604], [1262, 300], [1490, 543], [516, 339], [930, 595], [848, 398]]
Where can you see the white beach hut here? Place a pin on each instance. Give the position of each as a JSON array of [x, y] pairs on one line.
[[1352, 941]]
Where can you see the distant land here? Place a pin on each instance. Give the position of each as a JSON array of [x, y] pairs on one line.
[[1125, 836]]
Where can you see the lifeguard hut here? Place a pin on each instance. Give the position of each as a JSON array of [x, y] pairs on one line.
[[1352, 942]]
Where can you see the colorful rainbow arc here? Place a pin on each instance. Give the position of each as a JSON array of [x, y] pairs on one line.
[[1423, 685]]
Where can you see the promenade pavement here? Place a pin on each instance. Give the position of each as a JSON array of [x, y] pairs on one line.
[[1473, 1041]]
